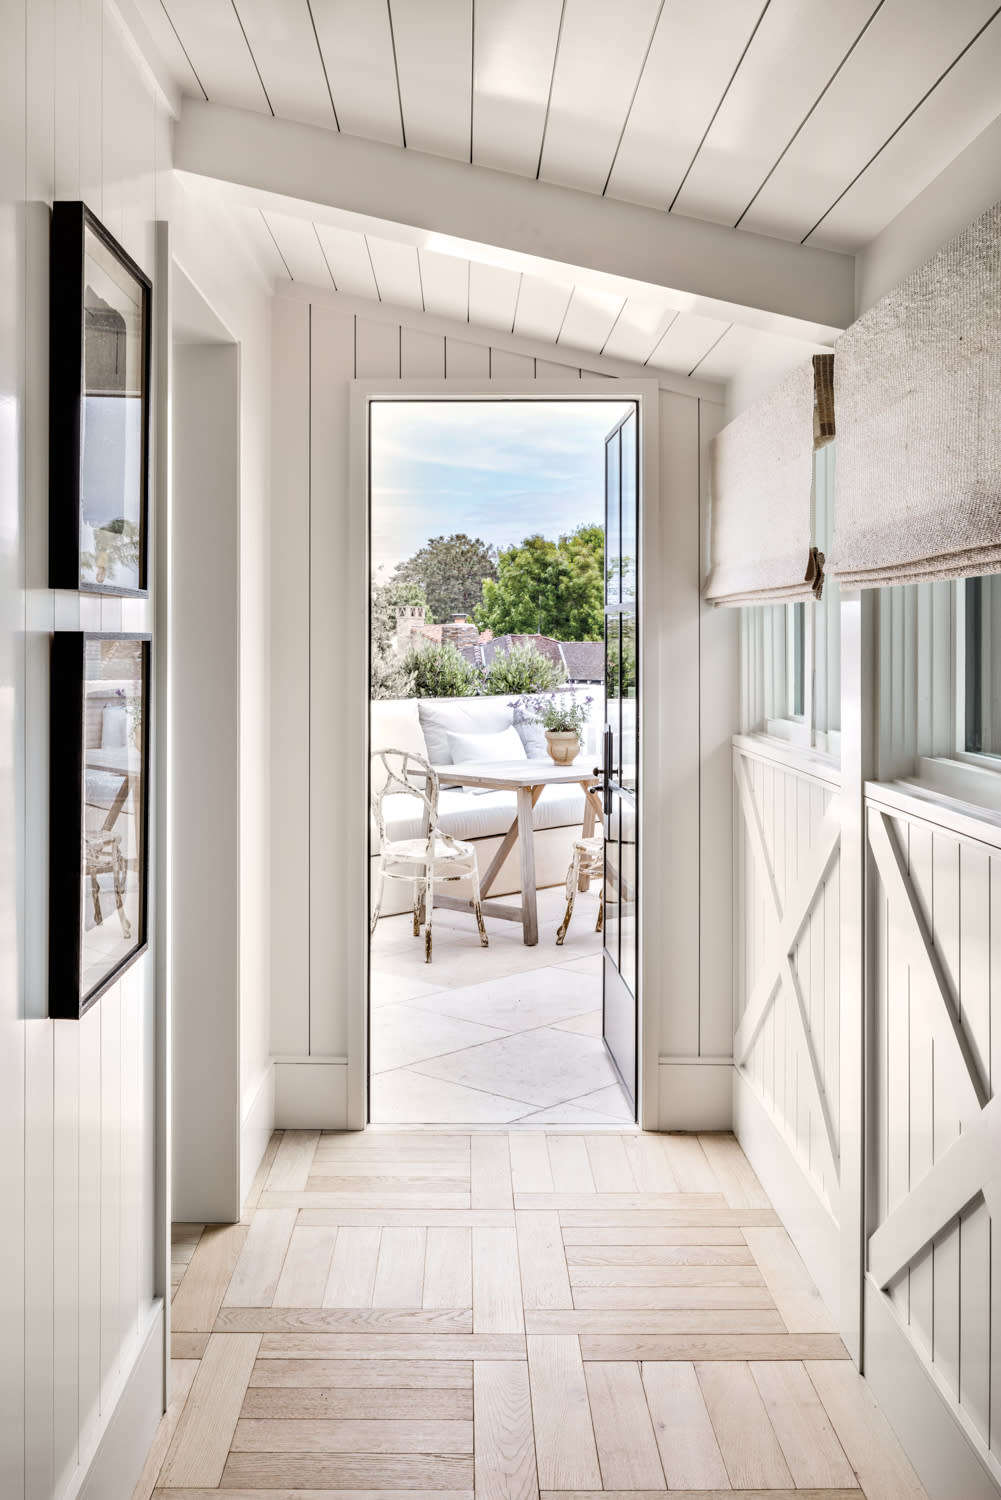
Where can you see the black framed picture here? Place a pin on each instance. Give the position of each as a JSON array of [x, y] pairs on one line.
[[99, 814], [99, 379]]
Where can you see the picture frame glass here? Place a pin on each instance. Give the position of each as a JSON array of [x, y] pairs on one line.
[[112, 456], [112, 893]]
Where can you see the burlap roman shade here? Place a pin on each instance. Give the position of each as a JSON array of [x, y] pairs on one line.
[[918, 393], [761, 539]]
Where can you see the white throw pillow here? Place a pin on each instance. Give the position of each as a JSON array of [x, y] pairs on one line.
[[113, 726], [492, 747], [441, 716]]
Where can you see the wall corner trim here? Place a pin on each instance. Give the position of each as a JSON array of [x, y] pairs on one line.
[[127, 1433]]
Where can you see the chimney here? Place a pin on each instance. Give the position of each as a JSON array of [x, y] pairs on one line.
[[409, 618]]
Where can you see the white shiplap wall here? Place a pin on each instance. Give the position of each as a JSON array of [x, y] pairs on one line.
[[319, 348], [81, 1253]]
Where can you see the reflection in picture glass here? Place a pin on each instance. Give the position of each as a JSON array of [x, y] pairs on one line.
[[112, 918], [111, 430]]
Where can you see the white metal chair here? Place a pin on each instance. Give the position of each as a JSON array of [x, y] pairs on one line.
[[425, 862], [588, 861]]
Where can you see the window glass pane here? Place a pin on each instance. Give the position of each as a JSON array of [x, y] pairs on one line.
[[983, 665], [798, 659]]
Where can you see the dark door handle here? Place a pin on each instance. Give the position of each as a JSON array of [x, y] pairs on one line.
[[607, 772]]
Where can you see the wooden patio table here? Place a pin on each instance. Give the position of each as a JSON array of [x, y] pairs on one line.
[[528, 778]]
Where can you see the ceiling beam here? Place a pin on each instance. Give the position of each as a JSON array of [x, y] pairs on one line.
[[470, 203]]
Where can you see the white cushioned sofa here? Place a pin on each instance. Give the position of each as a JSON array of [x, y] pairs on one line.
[[423, 725]]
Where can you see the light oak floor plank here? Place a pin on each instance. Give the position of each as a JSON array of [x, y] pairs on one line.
[[564, 1438], [653, 1276], [383, 1346], [689, 1164], [571, 1171], [399, 1197], [448, 1268], [306, 1267], [401, 1374], [746, 1437], [686, 1205], [351, 1279], [649, 1163], [363, 1320], [670, 1298], [733, 1172], [796, 1297], [627, 1448], [295, 1435], [373, 1403], [197, 1455], [348, 1471], [409, 1218], [544, 1278], [504, 1436], [729, 1322], [610, 1165], [713, 1346], [187, 1345], [261, 1175], [724, 1494], [200, 1294], [380, 1168], [530, 1169], [629, 1217], [396, 1189], [325, 1494], [882, 1467], [803, 1428], [182, 1373], [496, 1282], [399, 1277], [618, 1235], [490, 1180], [688, 1447], [257, 1271], [659, 1255], [293, 1160]]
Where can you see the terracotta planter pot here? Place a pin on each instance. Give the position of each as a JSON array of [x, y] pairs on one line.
[[563, 745]]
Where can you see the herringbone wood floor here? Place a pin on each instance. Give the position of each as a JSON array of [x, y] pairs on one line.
[[443, 1314]]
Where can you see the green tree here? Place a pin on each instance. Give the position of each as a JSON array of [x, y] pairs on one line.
[[523, 669], [441, 671], [451, 571], [552, 588]]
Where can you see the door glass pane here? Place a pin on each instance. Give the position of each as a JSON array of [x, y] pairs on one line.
[[983, 665], [613, 532], [629, 538], [627, 892], [613, 673], [612, 859], [629, 705]]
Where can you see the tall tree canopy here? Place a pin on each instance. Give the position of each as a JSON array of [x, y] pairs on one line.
[[553, 588], [451, 571]]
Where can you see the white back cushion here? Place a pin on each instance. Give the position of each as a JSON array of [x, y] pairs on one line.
[[395, 725], [461, 716], [506, 745]]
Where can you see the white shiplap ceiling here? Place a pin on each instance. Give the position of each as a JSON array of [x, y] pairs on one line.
[[806, 120]]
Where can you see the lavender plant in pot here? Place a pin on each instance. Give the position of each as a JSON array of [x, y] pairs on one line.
[[563, 718]]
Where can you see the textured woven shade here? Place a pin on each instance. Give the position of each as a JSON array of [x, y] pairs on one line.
[[761, 541], [918, 392]]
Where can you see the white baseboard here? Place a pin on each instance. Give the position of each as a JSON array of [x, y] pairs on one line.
[[944, 1455], [124, 1440], [810, 1223], [695, 1093], [256, 1129], [311, 1093]]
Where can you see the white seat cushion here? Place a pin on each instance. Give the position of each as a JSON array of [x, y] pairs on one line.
[[477, 816]]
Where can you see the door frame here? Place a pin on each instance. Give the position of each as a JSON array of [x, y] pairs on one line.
[[354, 745]]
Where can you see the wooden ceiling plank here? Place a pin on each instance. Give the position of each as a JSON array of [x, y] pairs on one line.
[[686, 74], [210, 34], [348, 258], [922, 37], [686, 342], [357, 48], [542, 306], [397, 271], [514, 56], [300, 249], [789, 62], [493, 295], [434, 58], [593, 87], [445, 280], [639, 330], [283, 43], [963, 105], [590, 319]]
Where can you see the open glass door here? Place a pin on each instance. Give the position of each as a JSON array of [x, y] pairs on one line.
[[621, 749]]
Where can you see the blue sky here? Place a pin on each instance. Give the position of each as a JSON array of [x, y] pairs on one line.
[[499, 470]]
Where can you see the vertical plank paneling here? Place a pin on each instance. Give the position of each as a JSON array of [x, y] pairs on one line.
[[38, 1309]]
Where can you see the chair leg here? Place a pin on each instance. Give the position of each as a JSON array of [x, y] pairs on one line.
[[120, 877], [376, 904], [418, 906], [95, 892], [601, 909], [573, 878], [478, 907], [428, 894]]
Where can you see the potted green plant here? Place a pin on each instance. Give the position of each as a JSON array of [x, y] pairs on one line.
[[562, 716]]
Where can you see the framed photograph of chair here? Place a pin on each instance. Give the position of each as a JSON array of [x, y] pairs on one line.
[[99, 814], [99, 409]]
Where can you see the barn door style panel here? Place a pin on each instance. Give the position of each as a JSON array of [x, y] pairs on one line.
[[934, 1142], [787, 1034]]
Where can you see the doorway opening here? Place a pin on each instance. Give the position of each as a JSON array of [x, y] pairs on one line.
[[503, 735]]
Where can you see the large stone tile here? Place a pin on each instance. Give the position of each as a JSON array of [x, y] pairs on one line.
[[404, 1097], [390, 988], [591, 964], [589, 1024], [542, 1066], [610, 1101], [403, 1034], [568, 1114], [522, 1002]]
